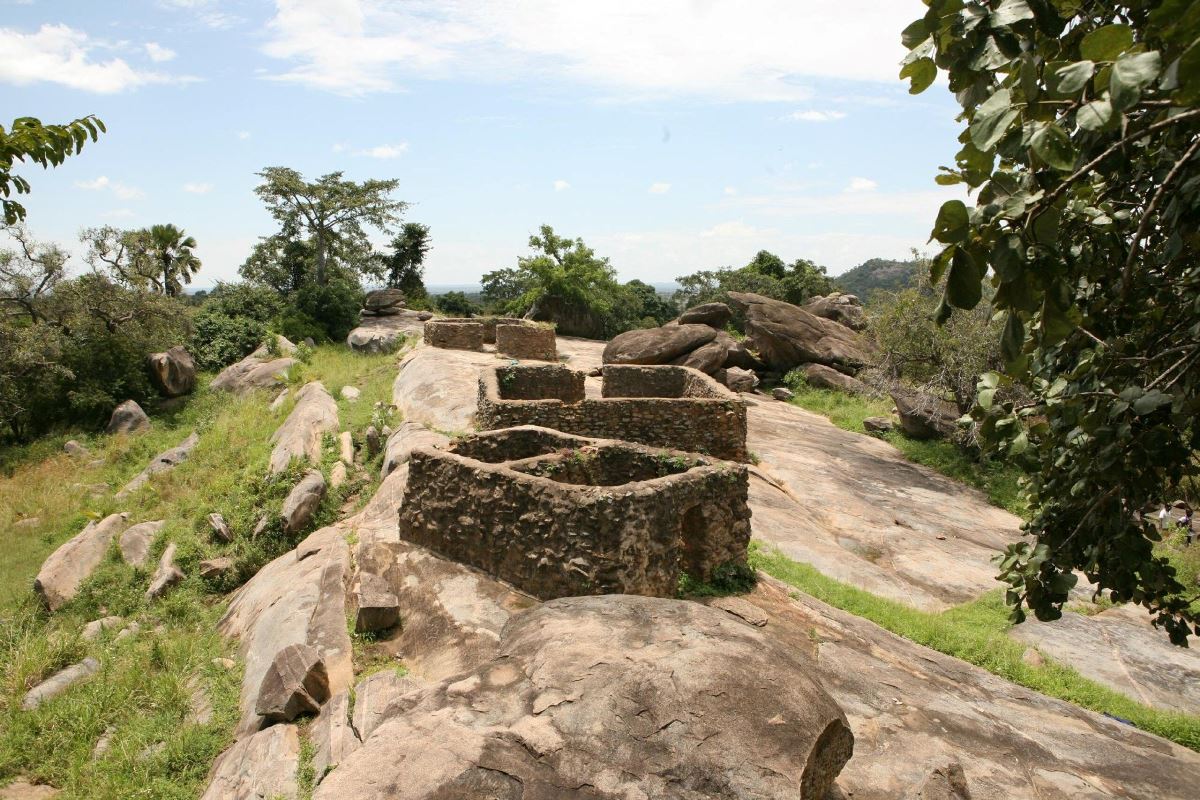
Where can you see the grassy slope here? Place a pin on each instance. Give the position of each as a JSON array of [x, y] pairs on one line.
[[142, 696]]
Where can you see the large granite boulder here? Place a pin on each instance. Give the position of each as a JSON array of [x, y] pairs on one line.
[[168, 459], [173, 371], [259, 370], [610, 697], [823, 377], [258, 767], [708, 358], [383, 302], [383, 334], [786, 336], [71, 564], [714, 315], [923, 416], [296, 683], [135, 542], [299, 437], [302, 502], [843, 308], [128, 417], [657, 345]]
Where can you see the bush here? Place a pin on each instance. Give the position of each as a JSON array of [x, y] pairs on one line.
[[220, 340], [244, 300], [298, 326], [333, 307]]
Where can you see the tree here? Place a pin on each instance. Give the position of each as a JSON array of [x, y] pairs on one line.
[[47, 145], [28, 274], [766, 274], [284, 261], [159, 257], [455, 304], [404, 267], [1081, 138], [333, 211], [169, 249]]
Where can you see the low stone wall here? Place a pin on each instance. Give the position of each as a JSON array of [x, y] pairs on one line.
[[662, 406], [489, 324], [558, 515], [454, 334], [526, 341]]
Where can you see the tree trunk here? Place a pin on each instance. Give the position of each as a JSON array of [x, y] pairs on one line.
[[320, 258]]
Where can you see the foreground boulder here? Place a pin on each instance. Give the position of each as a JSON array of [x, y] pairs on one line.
[[296, 683], [71, 564], [259, 370], [135, 542], [657, 345], [383, 334], [611, 697], [786, 336], [128, 418], [299, 437], [59, 682], [923, 416], [168, 459], [259, 767], [843, 308], [173, 371]]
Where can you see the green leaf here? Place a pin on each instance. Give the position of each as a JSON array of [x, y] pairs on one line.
[[937, 267], [1132, 73], [914, 34], [948, 179], [1010, 11], [992, 120], [1074, 77], [1150, 401], [1095, 115], [921, 73], [1019, 445], [1053, 145], [964, 284], [952, 223], [1107, 43], [1008, 258]]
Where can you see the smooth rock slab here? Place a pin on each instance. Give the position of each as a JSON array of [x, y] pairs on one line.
[[299, 437], [259, 370], [296, 683], [166, 576], [302, 501], [166, 460], [387, 333], [332, 735], [128, 417], [59, 682], [258, 767], [71, 564], [405, 439], [823, 377], [607, 697], [714, 315], [135, 542], [376, 699]]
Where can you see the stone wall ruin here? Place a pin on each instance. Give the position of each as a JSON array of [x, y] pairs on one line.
[[558, 515], [660, 406], [526, 341]]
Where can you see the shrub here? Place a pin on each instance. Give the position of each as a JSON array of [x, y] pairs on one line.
[[333, 307], [219, 340]]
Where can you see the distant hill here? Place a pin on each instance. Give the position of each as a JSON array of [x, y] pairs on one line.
[[877, 273]]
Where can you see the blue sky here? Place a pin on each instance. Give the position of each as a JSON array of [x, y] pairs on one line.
[[672, 136]]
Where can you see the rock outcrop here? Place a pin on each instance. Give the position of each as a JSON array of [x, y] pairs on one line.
[[128, 417], [844, 308], [258, 767], [297, 599], [657, 345], [135, 542], [259, 370], [786, 336], [823, 377], [714, 315], [383, 302], [59, 682], [696, 705], [299, 437], [925, 417], [173, 372], [296, 683], [406, 438], [72, 563], [302, 502], [168, 459], [332, 735], [383, 334]]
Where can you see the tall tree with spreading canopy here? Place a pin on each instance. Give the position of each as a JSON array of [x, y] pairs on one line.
[[1080, 143], [405, 265], [333, 211], [28, 139]]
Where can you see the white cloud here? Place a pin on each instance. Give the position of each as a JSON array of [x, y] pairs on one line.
[[561, 185], [712, 48], [198, 188], [862, 185], [730, 191], [380, 151], [205, 12], [660, 188], [813, 115], [158, 53], [61, 54], [735, 229], [102, 183], [243, 135]]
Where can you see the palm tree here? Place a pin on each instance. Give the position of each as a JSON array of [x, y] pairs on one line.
[[171, 251]]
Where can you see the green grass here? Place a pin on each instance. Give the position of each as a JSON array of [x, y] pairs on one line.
[[141, 695], [998, 480], [977, 632]]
